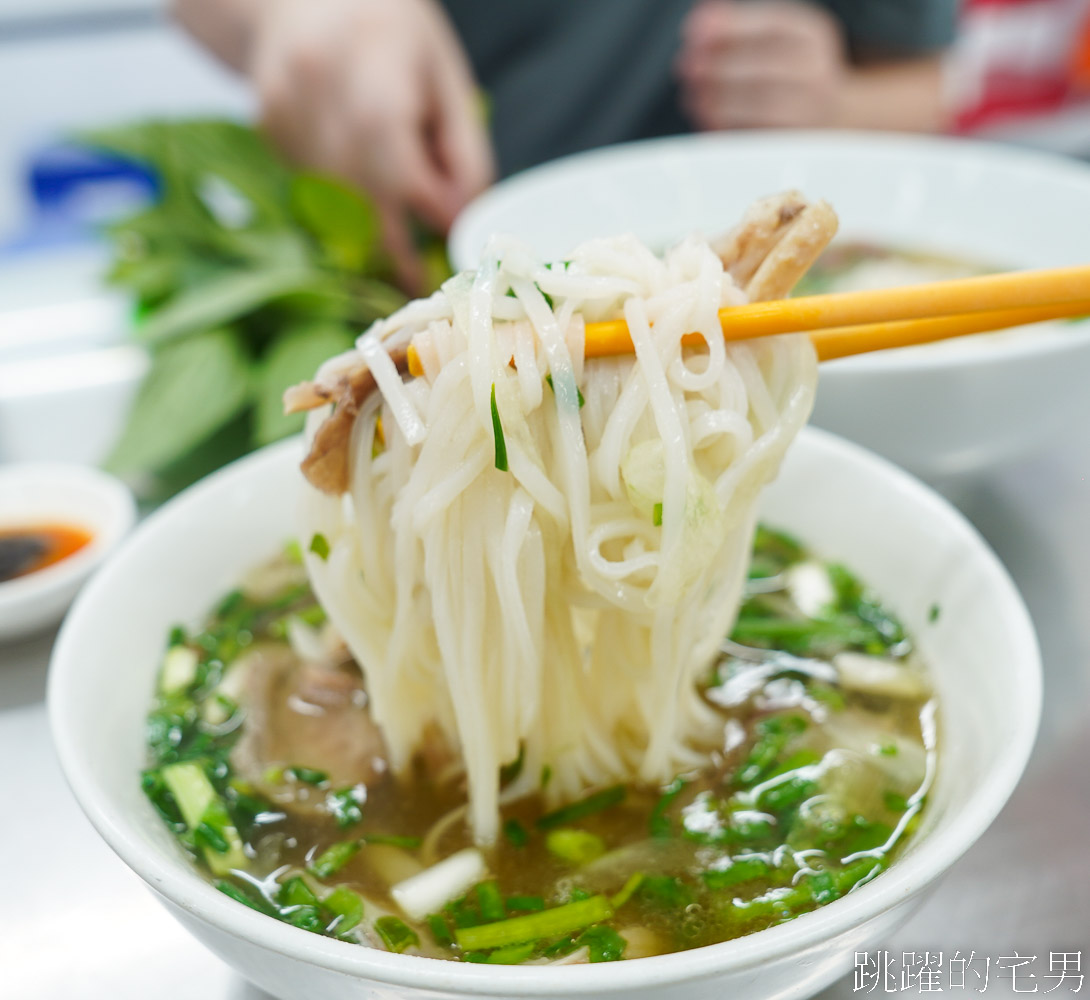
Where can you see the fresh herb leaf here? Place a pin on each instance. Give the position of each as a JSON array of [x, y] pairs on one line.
[[194, 387], [342, 220], [291, 356], [223, 299]]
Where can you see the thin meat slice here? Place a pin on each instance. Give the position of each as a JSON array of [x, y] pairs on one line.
[[310, 715], [744, 248], [326, 465]]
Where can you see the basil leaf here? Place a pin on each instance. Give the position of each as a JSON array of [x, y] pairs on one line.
[[194, 387], [222, 299], [293, 356], [342, 220]]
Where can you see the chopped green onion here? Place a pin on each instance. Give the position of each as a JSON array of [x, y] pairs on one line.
[[347, 906], [604, 799], [933, 613], [578, 391], [440, 931], [200, 805], [208, 836], [334, 858], [822, 886], [513, 954], [558, 921], [665, 890], [858, 873], [497, 431], [241, 896], [565, 946], [319, 545], [525, 904], [659, 821], [603, 943], [490, 901], [741, 869], [463, 913], [295, 892], [895, 802], [307, 775], [510, 771], [395, 933], [515, 833], [293, 552], [656, 516], [405, 843], [579, 847], [623, 895], [785, 794], [546, 775], [346, 804], [231, 602]]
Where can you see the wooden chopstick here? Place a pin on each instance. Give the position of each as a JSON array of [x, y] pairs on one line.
[[1067, 287]]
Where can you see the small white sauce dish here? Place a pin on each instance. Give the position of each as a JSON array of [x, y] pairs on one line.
[[42, 493]]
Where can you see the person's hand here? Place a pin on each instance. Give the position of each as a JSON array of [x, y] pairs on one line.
[[380, 93], [776, 64]]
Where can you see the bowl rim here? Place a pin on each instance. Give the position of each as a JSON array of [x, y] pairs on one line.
[[186, 889], [1051, 168], [70, 478]]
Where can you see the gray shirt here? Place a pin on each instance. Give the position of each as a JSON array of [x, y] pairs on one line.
[[568, 75]]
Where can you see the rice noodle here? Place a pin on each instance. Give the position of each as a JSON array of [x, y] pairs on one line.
[[542, 607]]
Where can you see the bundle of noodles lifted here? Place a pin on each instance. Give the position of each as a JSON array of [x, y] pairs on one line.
[[533, 555]]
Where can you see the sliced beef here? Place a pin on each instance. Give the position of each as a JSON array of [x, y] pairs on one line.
[[308, 715]]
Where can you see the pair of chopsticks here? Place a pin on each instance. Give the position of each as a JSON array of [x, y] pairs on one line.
[[850, 323]]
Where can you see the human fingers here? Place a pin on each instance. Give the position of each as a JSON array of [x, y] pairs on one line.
[[398, 242], [462, 141]]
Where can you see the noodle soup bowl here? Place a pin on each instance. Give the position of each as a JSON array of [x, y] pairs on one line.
[[940, 410], [915, 549]]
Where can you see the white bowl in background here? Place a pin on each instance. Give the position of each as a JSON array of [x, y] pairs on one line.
[[906, 541], [33, 493], [69, 368], [939, 410]]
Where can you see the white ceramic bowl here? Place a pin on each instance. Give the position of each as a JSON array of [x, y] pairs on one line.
[[41, 493], [900, 536], [939, 410]]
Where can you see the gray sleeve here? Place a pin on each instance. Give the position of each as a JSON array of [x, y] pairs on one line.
[[896, 27]]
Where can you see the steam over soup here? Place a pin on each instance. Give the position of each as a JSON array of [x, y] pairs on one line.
[[264, 761]]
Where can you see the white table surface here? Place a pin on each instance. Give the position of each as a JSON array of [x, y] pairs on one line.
[[75, 923]]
